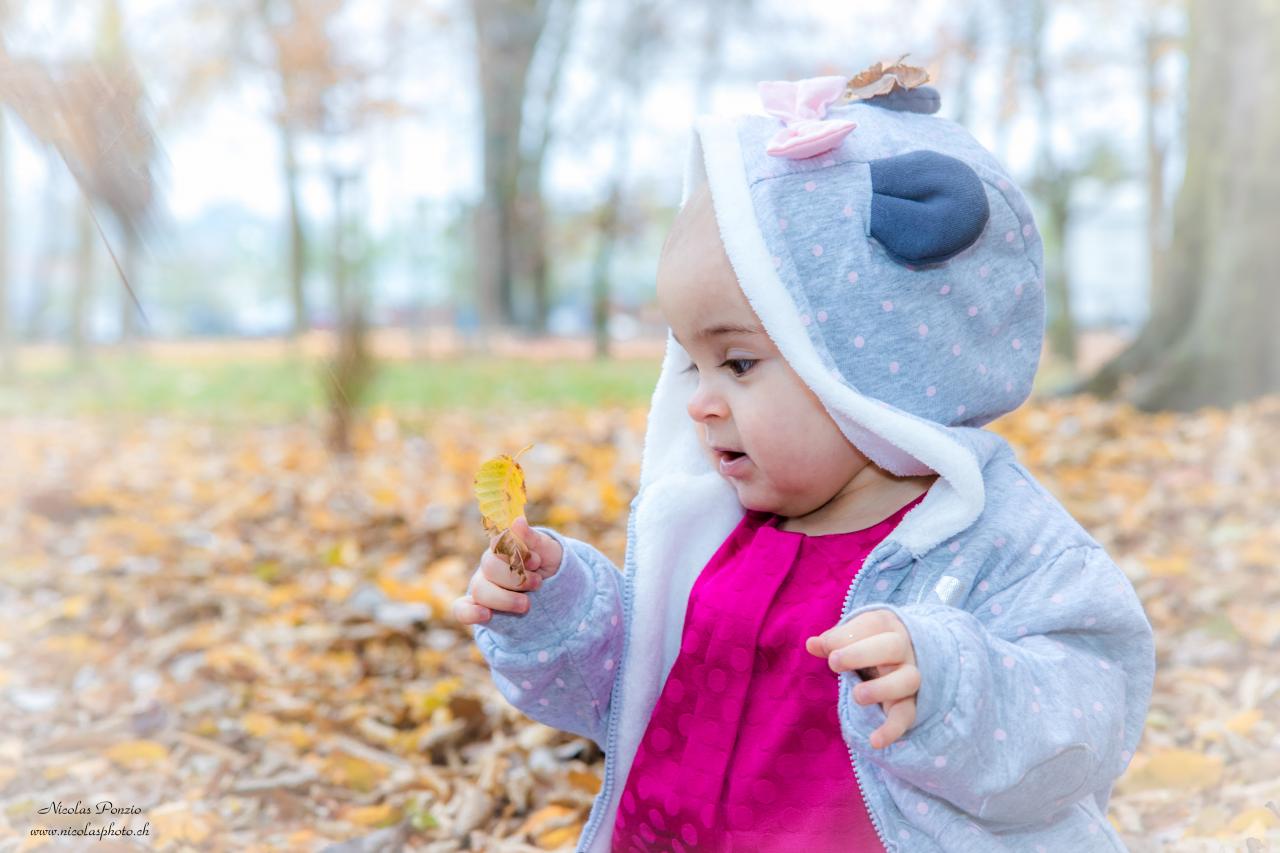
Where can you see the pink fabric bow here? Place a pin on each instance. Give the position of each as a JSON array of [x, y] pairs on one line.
[[801, 104]]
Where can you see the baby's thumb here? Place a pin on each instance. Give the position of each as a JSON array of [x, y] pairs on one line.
[[535, 541]]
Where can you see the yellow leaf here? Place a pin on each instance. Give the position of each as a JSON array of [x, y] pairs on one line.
[[1173, 565], [296, 735], [258, 725], [75, 606], [383, 815], [556, 838], [1244, 722], [138, 753], [584, 781], [352, 772], [176, 822], [499, 487], [422, 703], [1178, 769], [1254, 821], [552, 825]]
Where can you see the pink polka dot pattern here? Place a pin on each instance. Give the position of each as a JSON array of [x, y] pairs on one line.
[[744, 749]]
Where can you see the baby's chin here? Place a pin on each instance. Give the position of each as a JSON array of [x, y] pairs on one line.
[[757, 496], [751, 498]]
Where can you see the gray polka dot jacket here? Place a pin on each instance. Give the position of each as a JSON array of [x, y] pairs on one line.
[[908, 295]]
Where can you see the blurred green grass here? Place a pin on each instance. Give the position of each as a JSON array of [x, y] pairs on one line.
[[287, 387], [292, 387]]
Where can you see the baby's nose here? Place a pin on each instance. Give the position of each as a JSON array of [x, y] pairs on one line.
[[704, 404]]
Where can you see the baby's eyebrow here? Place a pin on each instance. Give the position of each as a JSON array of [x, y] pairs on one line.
[[721, 329]]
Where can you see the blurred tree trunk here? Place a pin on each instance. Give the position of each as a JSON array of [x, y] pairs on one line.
[[352, 365], [7, 357], [962, 54], [297, 237], [532, 260], [641, 32], [507, 32], [1155, 46], [1209, 339], [1054, 184], [128, 307], [608, 237], [82, 287]]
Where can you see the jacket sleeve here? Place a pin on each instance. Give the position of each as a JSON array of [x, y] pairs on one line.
[[556, 662], [1031, 698]]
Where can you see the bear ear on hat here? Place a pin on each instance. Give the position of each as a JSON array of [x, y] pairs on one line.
[[926, 207]]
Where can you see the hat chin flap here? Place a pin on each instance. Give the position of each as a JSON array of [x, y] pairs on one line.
[[926, 207]]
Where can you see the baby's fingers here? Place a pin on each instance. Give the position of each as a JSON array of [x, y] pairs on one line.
[[898, 719], [488, 594], [899, 684], [496, 569], [467, 612], [876, 650]]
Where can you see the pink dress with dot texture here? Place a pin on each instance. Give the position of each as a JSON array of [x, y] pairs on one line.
[[743, 751]]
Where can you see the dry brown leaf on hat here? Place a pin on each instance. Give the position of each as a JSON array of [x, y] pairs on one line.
[[878, 80], [499, 486]]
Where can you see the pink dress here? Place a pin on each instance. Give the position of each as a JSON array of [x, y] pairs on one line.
[[744, 750]]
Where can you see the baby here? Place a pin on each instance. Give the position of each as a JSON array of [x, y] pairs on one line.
[[849, 618]]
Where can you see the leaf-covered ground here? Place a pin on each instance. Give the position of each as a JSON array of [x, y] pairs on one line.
[[249, 643]]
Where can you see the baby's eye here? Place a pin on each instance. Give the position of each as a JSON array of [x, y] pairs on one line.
[[740, 361]]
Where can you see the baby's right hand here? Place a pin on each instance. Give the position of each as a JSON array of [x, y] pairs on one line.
[[496, 585]]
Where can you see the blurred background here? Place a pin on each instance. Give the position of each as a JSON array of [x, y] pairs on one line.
[[277, 275]]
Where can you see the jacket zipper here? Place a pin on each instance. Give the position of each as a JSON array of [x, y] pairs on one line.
[[615, 706], [615, 700], [862, 788]]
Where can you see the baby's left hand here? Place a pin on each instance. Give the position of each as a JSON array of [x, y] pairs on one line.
[[876, 641]]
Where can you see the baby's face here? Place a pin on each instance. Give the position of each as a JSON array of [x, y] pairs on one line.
[[747, 398]]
